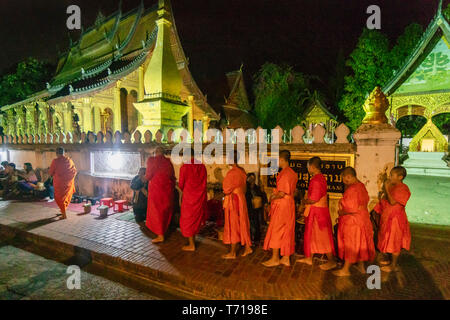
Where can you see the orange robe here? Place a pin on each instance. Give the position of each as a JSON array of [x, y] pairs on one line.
[[355, 232], [192, 182], [63, 172], [161, 183], [394, 233], [237, 224], [281, 231], [318, 231]]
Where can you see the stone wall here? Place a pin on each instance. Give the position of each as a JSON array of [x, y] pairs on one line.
[[373, 154]]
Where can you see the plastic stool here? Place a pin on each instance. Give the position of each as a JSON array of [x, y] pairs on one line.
[[107, 202], [120, 204]]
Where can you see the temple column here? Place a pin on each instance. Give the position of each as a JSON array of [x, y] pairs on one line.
[[205, 121], [141, 91], [116, 109], [190, 119]]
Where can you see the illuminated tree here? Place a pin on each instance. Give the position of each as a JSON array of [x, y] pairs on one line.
[[370, 67], [280, 96], [29, 77]]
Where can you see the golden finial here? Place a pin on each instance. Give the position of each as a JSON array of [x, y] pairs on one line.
[[375, 107]]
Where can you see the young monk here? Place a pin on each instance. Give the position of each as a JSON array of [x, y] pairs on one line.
[[355, 233], [280, 236], [237, 225], [394, 233], [63, 172], [192, 183], [318, 231], [161, 183]]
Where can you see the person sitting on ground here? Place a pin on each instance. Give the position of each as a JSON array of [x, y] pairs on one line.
[[3, 172], [139, 185], [29, 177], [9, 181]]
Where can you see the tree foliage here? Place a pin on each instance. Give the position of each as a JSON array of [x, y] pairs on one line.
[[370, 67], [373, 63], [280, 95], [410, 125], [30, 77], [442, 121]]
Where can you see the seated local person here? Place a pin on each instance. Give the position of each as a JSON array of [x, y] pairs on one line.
[[30, 180]]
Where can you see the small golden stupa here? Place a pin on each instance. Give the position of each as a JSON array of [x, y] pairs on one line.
[[375, 107]]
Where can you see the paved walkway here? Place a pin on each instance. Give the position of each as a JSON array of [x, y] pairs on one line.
[[119, 247], [26, 276]]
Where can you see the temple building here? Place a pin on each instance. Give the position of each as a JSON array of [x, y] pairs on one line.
[[317, 113], [422, 85], [237, 107], [126, 72]]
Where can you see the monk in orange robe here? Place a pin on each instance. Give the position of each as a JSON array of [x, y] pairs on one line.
[[318, 228], [161, 183], [355, 232], [192, 182], [237, 224], [280, 236], [63, 172], [394, 233]]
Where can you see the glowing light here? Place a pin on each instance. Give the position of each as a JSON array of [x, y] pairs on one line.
[[116, 161]]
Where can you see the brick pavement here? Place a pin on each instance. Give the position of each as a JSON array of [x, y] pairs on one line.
[[118, 247]]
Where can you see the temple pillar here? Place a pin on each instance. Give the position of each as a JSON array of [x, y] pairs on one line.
[[190, 120], [141, 91], [376, 145], [205, 121], [116, 108]]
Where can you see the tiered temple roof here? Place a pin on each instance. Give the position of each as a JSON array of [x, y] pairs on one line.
[[111, 49]]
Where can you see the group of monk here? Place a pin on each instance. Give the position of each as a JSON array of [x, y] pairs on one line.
[[355, 231]]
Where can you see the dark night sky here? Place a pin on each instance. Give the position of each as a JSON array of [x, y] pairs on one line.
[[217, 35]]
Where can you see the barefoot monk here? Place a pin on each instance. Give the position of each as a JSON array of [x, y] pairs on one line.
[[318, 231], [355, 232], [280, 236], [237, 224], [63, 172], [192, 182], [161, 183]]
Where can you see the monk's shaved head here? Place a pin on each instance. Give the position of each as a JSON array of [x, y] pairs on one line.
[[159, 151], [400, 171], [315, 162], [60, 151], [348, 171], [285, 154]]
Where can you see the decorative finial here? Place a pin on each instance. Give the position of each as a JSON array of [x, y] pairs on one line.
[[440, 7], [375, 107]]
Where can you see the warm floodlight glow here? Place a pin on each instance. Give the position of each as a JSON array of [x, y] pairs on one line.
[[116, 161]]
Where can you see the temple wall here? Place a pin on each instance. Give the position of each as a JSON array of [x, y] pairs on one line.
[[106, 166]]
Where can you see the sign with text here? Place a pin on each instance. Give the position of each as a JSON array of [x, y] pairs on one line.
[[332, 165]]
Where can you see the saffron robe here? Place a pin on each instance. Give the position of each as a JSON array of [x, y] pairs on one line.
[[394, 233], [161, 183], [63, 172], [237, 224], [318, 228], [281, 231], [192, 182], [355, 232]]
